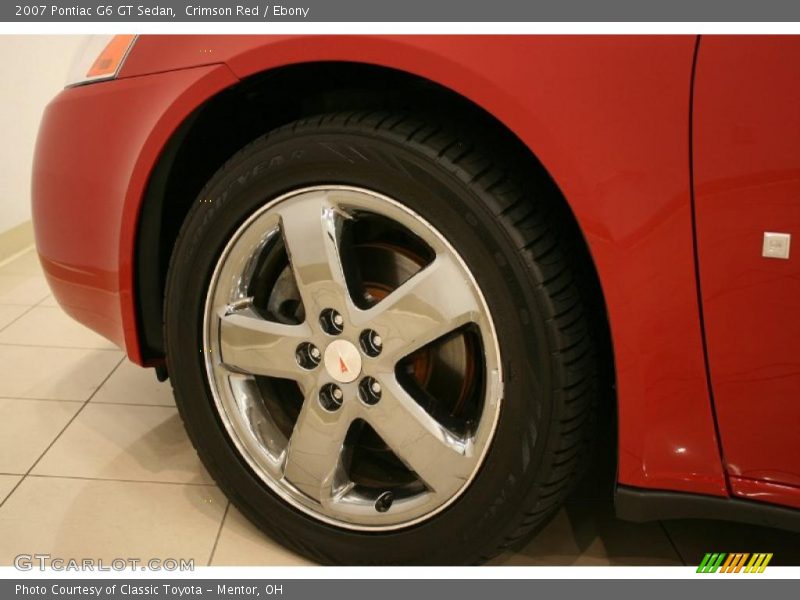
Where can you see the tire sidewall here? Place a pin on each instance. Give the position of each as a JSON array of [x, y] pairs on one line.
[[441, 194]]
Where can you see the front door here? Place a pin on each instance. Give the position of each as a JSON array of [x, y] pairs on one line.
[[746, 159]]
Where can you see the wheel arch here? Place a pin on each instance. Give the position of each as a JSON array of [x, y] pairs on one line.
[[606, 119], [224, 124], [229, 119]]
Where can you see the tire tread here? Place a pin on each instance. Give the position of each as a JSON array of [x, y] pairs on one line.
[[535, 225]]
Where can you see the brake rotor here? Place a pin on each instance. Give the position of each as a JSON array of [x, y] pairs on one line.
[[441, 368]]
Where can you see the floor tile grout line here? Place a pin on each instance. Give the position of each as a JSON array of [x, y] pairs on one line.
[[17, 255], [117, 368], [110, 375], [140, 404], [120, 480], [219, 534], [672, 543], [40, 302], [8, 345], [20, 398], [60, 433], [21, 304], [10, 323], [11, 491], [94, 393], [94, 403]]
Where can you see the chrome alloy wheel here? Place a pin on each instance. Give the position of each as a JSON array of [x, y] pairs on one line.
[[352, 358]]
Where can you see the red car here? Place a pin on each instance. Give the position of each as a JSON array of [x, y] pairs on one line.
[[397, 281]]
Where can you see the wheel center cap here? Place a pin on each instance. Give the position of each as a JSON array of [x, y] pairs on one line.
[[343, 361]]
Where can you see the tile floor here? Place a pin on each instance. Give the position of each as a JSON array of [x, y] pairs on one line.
[[94, 462]]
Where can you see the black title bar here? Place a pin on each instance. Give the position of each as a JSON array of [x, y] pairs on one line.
[[459, 11]]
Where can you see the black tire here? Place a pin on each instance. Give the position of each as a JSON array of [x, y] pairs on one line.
[[509, 227]]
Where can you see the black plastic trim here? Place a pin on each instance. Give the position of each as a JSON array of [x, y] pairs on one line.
[[640, 505], [149, 272]]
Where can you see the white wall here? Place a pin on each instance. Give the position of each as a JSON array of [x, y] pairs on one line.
[[33, 68]]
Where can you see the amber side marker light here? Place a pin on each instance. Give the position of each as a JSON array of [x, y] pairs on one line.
[[99, 58], [111, 57]]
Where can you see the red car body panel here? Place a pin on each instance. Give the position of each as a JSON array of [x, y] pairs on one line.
[[609, 117], [747, 182], [96, 148], [765, 491]]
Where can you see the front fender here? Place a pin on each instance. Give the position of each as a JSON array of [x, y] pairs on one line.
[[608, 117]]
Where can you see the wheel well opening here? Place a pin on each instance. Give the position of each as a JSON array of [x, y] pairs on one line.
[[237, 116]]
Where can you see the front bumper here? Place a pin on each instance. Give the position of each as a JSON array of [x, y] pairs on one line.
[[96, 148]]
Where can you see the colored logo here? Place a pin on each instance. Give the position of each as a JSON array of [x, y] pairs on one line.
[[739, 562], [342, 361]]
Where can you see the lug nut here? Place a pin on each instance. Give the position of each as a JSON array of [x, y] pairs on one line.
[[331, 321], [371, 342], [308, 355], [369, 390], [331, 397]]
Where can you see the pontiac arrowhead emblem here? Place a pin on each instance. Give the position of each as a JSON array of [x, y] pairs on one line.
[[342, 361]]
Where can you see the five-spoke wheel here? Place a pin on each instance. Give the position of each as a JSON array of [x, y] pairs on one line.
[[369, 444], [377, 340]]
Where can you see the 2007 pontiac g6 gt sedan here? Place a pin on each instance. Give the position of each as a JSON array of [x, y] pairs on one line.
[[404, 287]]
